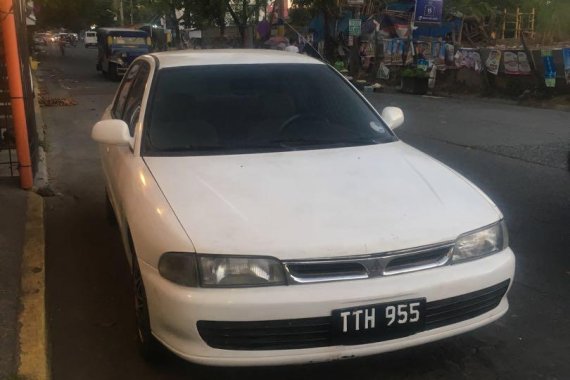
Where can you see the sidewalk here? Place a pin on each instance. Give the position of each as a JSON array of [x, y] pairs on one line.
[[23, 336], [13, 206]]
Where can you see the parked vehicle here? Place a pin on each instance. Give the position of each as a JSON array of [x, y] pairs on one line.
[[271, 216], [90, 39], [40, 39], [118, 47]]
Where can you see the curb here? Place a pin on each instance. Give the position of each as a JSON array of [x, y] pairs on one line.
[[41, 178], [32, 319]]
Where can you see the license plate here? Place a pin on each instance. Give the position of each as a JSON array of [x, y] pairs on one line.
[[375, 323]]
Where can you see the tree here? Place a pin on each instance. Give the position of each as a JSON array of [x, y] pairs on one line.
[[330, 11], [74, 14], [552, 18]]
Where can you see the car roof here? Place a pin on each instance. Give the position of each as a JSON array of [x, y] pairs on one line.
[[119, 30], [229, 57]]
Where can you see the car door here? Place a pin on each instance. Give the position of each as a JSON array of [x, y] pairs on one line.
[[121, 161]]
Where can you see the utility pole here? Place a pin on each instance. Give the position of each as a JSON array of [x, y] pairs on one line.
[[132, 22], [13, 69], [121, 15]]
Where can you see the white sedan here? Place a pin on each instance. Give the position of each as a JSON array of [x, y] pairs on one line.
[[271, 216]]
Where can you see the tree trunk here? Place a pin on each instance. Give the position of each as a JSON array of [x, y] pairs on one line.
[[237, 20], [175, 26], [329, 42]]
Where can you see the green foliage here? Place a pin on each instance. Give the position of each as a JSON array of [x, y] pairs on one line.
[[552, 15], [479, 8], [552, 18], [410, 72], [74, 14], [299, 16]]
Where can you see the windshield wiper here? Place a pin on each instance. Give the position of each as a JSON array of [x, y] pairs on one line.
[[190, 148], [361, 141], [300, 141]]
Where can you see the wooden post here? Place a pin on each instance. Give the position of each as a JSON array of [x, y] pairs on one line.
[[532, 24], [517, 24], [504, 23]]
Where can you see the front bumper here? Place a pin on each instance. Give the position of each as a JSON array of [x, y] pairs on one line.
[[175, 310]]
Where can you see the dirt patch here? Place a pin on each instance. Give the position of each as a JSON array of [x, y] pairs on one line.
[[46, 101]]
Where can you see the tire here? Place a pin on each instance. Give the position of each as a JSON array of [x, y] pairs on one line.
[[149, 348], [113, 72], [110, 213]]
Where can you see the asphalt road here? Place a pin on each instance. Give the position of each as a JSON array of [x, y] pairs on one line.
[[516, 155]]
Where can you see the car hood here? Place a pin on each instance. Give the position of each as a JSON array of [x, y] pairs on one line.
[[320, 203], [131, 51]]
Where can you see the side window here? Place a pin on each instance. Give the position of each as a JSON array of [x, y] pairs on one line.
[[135, 97], [121, 100]]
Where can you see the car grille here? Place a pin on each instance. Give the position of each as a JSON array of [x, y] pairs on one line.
[[317, 332], [361, 267]]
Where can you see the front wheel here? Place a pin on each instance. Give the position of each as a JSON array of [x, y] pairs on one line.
[[149, 347], [110, 213], [114, 72]]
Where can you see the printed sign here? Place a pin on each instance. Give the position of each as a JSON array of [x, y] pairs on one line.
[[516, 63], [354, 27], [493, 62], [429, 11], [469, 58], [566, 56]]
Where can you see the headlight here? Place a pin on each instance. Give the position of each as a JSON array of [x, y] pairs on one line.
[[231, 271], [482, 242], [179, 268], [189, 269]]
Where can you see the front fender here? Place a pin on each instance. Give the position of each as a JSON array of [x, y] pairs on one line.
[[154, 227]]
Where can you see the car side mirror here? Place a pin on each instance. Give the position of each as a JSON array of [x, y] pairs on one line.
[[112, 132], [393, 116]]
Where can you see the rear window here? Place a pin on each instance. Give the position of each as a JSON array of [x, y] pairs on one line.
[[225, 109]]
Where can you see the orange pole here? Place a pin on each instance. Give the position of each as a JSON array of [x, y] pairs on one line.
[[16, 92]]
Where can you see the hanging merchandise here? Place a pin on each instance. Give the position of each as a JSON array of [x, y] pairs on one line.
[[383, 71], [432, 76], [402, 30], [566, 56], [423, 50], [438, 53], [549, 68], [409, 58], [449, 54], [388, 52], [397, 52], [493, 62]]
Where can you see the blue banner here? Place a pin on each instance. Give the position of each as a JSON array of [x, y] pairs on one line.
[[566, 55], [429, 11]]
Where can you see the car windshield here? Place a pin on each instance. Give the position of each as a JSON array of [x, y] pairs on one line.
[[124, 40], [257, 107]]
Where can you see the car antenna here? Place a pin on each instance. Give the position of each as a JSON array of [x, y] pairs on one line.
[[306, 41]]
